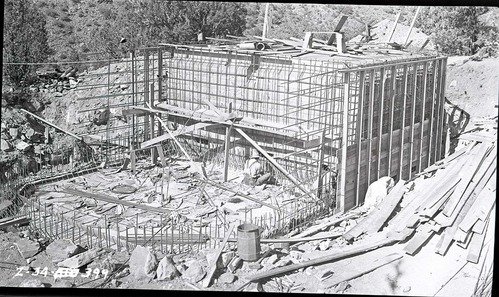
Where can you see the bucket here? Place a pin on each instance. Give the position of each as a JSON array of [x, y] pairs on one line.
[[248, 242]]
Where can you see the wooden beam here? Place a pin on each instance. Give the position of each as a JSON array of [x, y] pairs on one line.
[[241, 195], [154, 153], [325, 225], [442, 115], [274, 162], [185, 130], [367, 267], [213, 265], [50, 124], [413, 116], [390, 35], [392, 112], [423, 234], [370, 119], [5, 222], [412, 26], [421, 130], [402, 125], [341, 197], [359, 132], [376, 219], [380, 126], [161, 154], [332, 256], [113, 200], [227, 144]]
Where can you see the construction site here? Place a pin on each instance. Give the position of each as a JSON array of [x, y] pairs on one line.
[[378, 183]]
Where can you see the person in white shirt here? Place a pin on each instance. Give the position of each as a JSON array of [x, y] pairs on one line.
[[253, 171]]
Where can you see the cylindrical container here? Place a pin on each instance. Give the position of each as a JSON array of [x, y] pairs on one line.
[[260, 46], [248, 242], [248, 45]]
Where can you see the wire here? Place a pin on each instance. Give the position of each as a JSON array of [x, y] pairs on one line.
[[60, 62]]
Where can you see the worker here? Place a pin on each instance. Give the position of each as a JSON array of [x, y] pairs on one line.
[[253, 171]]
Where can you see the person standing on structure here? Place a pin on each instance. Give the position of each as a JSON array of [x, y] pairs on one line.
[[253, 171]]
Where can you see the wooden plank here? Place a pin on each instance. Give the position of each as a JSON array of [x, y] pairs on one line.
[[477, 137], [340, 24], [453, 223], [325, 225], [402, 130], [390, 35], [412, 26], [360, 122], [331, 256], [413, 116], [482, 205], [274, 162], [471, 167], [213, 267], [380, 126], [368, 268], [441, 126], [476, 244], [133, 161], [5, 222], [421, 131], [430, 160], [241, 194], [110, 199], [185, 130], [341, 197], [423, 234], [50, 124], [161, 153], [374, 221], [370, 120], [390, 131], [127, 112]]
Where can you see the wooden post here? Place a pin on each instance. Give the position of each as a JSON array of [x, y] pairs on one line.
[[132, 161], [393, 28], [360, 121], [380, 126], [228, 131], [370, 120], [402, 125], [266, 25], [340, 43], [154, 153], [392, 112], [412, 25], [341, 200], [441, 100], [421, 130], [436, 74], [413, 106]]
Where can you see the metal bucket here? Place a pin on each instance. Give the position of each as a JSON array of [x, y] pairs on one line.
[[248, 242]]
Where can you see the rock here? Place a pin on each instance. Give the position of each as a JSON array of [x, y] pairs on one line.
[[166, 269], [124, 87], [341, 287], [407, 289], [61, 249], [143, 263], [453, 83], [72, 83], [254, 266], [27, 248], [39, 149], [123, 273], [6, 146], [283, 262], [32, 283], [296, 254], [325, 245], [181, 268], [234, 264], [325, 274], [227, 278], [194, 272], [352, 223], [23, 146], [103, 263], [14, 132], [61, 283], [272, 259], [227, 257], [5, 135], [82, 259]]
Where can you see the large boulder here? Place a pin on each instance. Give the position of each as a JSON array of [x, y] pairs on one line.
[[23, 146], [194, 273], [166, 269], [14, 132], [61, 249], [27, 248], [5, 145], [143, 263], [82, 259]]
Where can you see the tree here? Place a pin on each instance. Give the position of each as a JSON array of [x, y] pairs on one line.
[[24, 41], [455, 30]]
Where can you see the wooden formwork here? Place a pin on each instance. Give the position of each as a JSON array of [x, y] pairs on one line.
[[312, 116]]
